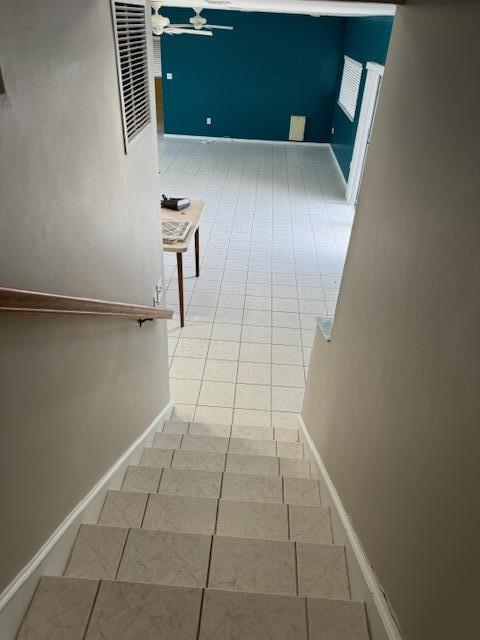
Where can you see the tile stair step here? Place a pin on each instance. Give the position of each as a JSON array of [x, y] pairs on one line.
[[280, 434], [226, 517], [222, 484], [94, 609], [216, 444], [234, 462], [199, 560]]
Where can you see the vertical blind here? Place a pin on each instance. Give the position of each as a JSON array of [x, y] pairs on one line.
[[351, 78], [132, 59], [157, 57]]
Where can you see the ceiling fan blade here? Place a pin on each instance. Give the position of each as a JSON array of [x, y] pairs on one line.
[[181, 26], [218, 26], [195, 32]]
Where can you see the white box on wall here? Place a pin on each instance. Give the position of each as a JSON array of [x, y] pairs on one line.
[[297, 128]]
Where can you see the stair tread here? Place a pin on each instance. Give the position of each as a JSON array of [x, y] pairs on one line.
[[218, 532], [185, 559], [220, 444], [59, 603], [236, 462], [130, 610], [227, 484], [224, 516], [280, 434]]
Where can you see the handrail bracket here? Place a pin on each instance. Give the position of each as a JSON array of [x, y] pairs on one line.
[[142, 320]]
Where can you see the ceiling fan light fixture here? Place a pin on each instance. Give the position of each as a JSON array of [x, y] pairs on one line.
[[198, 22]]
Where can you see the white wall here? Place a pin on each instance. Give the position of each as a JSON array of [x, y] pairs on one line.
[[393, 401], [78, 217]]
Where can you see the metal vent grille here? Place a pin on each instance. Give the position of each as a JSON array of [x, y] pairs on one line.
[[352, 76], [132, 60], [157, 57]]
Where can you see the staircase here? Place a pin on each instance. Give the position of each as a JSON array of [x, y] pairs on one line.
[[218, 534]]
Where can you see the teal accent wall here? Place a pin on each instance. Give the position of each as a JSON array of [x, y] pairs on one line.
[[250, 80], [366, 40]]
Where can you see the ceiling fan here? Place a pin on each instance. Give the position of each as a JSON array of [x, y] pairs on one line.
[[161, 24], [199, 23]]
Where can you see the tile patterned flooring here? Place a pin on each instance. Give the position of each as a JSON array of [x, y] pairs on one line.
[[223, 545], [274, 237], [218, 533]]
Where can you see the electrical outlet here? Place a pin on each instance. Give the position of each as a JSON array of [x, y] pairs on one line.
[[209, 121], [169, 76], [333, 130]]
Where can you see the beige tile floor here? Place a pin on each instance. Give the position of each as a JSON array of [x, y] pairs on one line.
[[273, 242], [219, 532], [204, 542], [134, 611]]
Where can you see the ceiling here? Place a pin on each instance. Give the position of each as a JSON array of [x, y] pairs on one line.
[[307, 7]]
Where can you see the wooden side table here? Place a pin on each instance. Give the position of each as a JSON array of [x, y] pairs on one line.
[[192, 213]]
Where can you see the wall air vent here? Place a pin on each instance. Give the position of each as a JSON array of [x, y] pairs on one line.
[[130, 27]]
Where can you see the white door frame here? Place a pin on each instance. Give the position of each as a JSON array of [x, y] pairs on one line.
[[367, 115]]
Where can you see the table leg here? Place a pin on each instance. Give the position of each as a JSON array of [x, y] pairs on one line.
[[180, 287], [197, 253]]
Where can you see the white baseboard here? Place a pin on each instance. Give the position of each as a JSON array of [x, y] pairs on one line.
[[364, 583], [249, 140], [339, 169], [52, 557]]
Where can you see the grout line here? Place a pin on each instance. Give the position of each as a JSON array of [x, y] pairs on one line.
[[307, 621], [221, 485], [84, 635], [30, 604], [295, 551], [121, 555], [332, 539], [145, 508], [346, 572], [209, 562], [160, 479], [200, 613], [216, 517], [73, 547]]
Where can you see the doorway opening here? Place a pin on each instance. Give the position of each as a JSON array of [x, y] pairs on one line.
[[159, 104], [157, 66]]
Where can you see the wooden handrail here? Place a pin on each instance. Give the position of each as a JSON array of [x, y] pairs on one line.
[[26, 301]]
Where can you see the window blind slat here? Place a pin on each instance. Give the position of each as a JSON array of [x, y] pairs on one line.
[[132, 62], [350, 86], [157, 57]]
